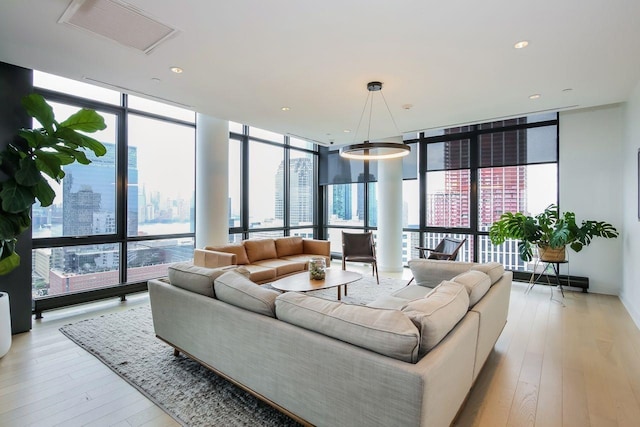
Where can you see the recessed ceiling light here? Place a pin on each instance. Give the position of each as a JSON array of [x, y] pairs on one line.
[[535, 96], [407, 106], [155, 80], [285, 108], [521, 44], [567, 89], [176, 70], [346, 130]]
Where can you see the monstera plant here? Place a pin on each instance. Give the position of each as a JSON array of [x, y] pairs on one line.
[[551, 231], [34, 155]]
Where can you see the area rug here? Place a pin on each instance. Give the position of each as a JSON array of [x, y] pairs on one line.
[[192, 395]]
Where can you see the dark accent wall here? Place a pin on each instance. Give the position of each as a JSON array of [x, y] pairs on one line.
[[15, 82]]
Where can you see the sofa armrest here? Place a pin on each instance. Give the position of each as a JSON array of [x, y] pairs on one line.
[[212, 259], [316, 247]]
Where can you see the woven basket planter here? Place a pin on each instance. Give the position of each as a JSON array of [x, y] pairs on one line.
[[549, 254]]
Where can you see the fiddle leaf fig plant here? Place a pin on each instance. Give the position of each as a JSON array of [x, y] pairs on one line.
[[549, 229], [34, 155]]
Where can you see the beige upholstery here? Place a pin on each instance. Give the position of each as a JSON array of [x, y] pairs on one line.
[[195, 279], [324, 380], [430, 272], [388, 332], [235, 289], [476, 282], [264, 258], [494, 270]]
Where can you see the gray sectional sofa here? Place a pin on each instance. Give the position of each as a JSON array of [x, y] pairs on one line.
[[406, 359]]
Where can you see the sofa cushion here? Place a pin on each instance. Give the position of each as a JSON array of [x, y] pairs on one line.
[[235, 289], [232, 248], [436, 315], [283, 267], [260, 274], [259, 249], [388, 332], [494, 270], [389, 302], [412, 292], [286, 246], [430, 273], [477, 284], [196, 279]]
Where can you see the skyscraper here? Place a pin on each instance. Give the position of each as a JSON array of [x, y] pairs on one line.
[[300, 191]]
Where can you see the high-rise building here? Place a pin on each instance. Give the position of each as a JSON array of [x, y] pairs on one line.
[[300, 190]]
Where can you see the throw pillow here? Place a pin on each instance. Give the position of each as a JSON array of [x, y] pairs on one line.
[[235, 289], [477, 284], [436, 315], [196, 279]]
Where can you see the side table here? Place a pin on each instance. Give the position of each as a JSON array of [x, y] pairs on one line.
[[555, 265]]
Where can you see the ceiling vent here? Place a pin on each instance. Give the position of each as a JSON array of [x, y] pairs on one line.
[[119, 22]]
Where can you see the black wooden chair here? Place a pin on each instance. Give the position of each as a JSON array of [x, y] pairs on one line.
[[359, 247], [447, 249]]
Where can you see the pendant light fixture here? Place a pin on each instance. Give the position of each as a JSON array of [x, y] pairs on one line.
[[375, 150]]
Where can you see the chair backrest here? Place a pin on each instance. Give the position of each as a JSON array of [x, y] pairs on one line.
[[450, 247], [357, 244]]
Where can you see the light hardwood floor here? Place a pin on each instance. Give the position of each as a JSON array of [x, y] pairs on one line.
[[575, 364]]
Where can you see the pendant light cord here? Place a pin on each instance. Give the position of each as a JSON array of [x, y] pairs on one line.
[[364, 108], [389, 110]]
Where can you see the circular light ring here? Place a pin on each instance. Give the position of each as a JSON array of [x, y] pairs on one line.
[[375, 150]]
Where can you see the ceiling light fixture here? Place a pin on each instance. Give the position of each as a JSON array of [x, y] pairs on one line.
[[521, 45], [535, 96], [176, 70], [285, 108], [375, 150]]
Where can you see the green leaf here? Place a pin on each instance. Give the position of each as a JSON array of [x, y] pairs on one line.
[[12, 225], [94, 145], [10, 263], [50, 164], [28, 175], [85, 120], [44, 193], [15, 198], [38, 108]]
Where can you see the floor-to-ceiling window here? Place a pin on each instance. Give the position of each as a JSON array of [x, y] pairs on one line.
[[129, 214], [456, 182], [272, 184]]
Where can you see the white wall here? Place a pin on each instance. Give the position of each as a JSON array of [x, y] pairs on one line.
[[591, 179], [630, 293]]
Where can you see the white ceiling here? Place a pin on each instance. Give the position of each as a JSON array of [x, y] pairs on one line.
[[453, 60]]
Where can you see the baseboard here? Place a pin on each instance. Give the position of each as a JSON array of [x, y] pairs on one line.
[[633, 312]]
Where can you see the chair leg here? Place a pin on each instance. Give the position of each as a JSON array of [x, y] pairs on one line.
[[375, 269], [343, 264], [410, 281]]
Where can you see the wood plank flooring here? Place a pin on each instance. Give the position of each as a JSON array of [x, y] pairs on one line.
[[559, 362]]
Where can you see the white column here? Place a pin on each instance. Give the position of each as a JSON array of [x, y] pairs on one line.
[[389, 200], [212, 181]]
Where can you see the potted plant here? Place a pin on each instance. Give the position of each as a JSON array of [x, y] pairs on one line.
[[550, 231], [33, 155]]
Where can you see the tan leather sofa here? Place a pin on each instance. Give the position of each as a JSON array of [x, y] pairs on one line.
[[266, 259]]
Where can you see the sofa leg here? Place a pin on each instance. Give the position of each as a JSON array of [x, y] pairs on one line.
[[176, 352]]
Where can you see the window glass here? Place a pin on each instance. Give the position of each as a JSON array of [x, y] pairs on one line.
[[266, 135], [301, 191], [74, 87], [448, 155], [301, 143], [372, 205], [411, 203], [155, 107], [161, 182], [342, 204], [270, 234], [151, 258], [448, 198], [235, 179], [86, 197], [334, 235], [507, 254], [305, 233], [74, 268], [519, 147], [528, 189], [266, 184]]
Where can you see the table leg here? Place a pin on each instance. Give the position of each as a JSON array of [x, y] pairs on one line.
[[556, 270], [339, 291], [345, 290]]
